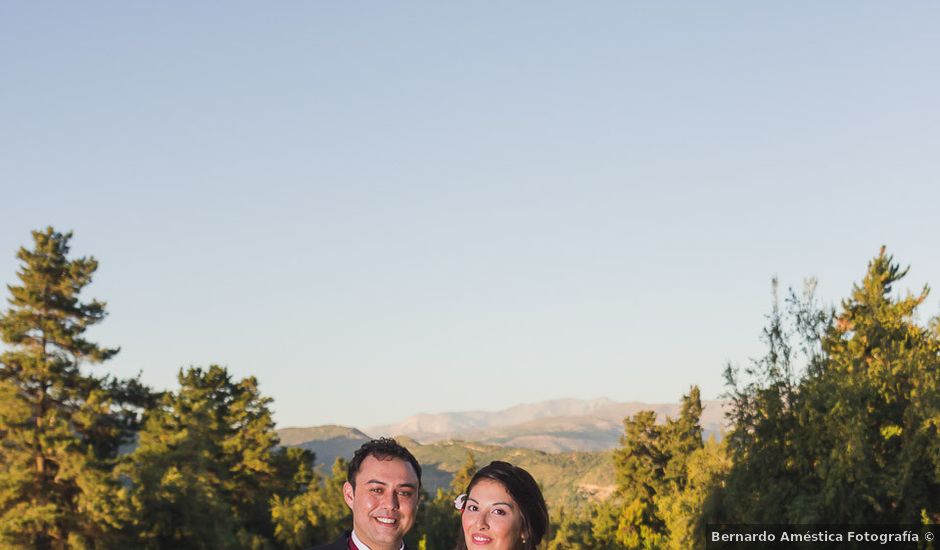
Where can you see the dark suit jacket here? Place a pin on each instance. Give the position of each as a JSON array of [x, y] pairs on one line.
[[341, 544]]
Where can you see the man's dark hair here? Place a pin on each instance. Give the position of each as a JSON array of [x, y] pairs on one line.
[[383, 448]]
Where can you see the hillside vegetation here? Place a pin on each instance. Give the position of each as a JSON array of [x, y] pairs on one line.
[[569, 479], [837, 423]]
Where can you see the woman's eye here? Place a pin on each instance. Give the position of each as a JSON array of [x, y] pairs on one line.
[[472, 507], [499, 512]]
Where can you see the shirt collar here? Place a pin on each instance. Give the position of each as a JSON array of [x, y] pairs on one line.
[[362, 546]]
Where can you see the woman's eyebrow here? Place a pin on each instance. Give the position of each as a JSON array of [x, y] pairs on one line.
[[509, 504]]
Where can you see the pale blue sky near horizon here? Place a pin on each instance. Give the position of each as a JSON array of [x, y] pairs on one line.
[[383, 209]]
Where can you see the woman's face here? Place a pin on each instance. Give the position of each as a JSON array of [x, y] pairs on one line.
[[491, 519]]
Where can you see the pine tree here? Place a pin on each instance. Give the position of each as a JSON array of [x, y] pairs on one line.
[[687, 511], [572, 532], [852, 438], [872, 405], [438, 525], [58, 431], [773, 478], [652, 469], [463, 476], [640, 466], [317, 515], [206, 468]]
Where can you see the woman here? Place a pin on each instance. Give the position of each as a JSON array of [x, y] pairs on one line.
[[503, 509]]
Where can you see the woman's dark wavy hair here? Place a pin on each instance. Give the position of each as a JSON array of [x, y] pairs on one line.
[[523, 489]]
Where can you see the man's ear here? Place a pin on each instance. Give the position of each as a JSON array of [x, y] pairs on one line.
[[348, 494]]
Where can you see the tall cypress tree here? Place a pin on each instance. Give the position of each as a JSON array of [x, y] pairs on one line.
[[54, 420]]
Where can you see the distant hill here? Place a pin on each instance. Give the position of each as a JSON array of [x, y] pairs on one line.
[[551, 426], [568, 479], [327, 442], [565, 443], [451, 425]]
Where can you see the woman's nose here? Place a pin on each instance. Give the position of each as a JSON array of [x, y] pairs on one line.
[[481, 522]]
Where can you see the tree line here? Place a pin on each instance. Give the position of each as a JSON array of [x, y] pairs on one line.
[[837, 423]]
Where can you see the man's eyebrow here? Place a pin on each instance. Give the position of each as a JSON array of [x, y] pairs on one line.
[[380, 482]]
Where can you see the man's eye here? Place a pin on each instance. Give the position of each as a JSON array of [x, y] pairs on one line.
[[406, 494], [376, 490]]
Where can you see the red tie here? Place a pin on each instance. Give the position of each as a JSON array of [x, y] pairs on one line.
[[351, 545]]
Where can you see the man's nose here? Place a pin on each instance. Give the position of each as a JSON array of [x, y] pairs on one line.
[[392, 500]]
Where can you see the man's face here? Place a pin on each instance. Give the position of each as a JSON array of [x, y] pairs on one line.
[[384, 501]]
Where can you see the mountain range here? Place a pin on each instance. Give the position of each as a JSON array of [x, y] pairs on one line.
[[566, 444], [551, 426]]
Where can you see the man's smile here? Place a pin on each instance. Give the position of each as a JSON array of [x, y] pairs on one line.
[[386, 520]]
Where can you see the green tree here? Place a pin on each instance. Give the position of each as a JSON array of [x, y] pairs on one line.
[[870, 409], [317, 515], [604, 523], [59, 432], [439, 523], [652, 468], [687, 511], [852, 436], [207, 466], [640, 465], [572, 532]]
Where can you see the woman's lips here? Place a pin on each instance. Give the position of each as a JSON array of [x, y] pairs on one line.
[[480, 539]]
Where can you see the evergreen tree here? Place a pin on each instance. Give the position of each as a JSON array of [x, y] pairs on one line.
[[439, 524], [687, 511], [641, 466], [773, 479], [605, 522], [853, 437], [652, 468], [317, 515], [572, 532], [206, 468], [59, 432], [870, 409], [463, 476]]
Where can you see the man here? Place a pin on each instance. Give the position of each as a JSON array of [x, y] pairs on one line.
[[382, 491]]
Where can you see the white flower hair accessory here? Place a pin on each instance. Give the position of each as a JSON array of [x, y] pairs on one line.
[[460, 501]]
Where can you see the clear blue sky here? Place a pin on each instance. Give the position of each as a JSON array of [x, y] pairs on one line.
[[387, 208]]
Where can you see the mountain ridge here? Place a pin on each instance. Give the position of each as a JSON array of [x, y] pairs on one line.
[[558, 425], [552, 426]]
